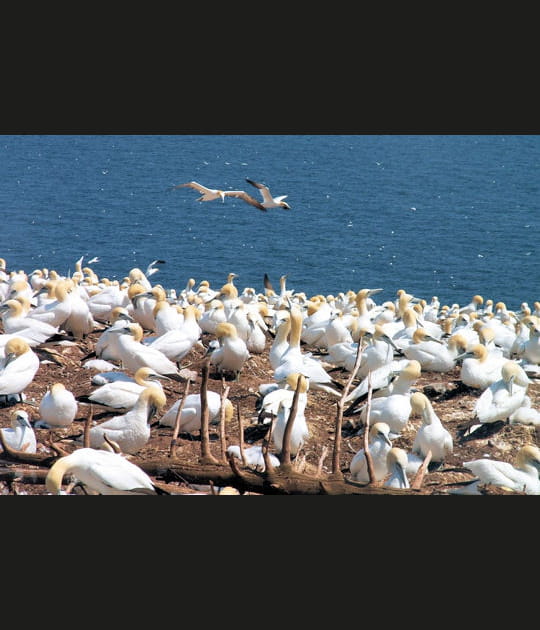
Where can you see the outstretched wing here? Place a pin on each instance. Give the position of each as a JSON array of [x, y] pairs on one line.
[[202, 189], [265, 191], [240, 194]]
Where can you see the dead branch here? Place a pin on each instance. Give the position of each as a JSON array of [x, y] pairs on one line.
[[30, 458], [222, 432], [268, 466], [324, 453], [174, 439], [206, 454], [285, 455], [369, 458], [419, 477], [336, 467], [87, 425], [240, 435]]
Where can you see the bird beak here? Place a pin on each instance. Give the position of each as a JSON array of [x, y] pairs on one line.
[[402, 476], [509, 385], [9, 358]]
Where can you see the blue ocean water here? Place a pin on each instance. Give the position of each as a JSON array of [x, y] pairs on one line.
[[445, 215]]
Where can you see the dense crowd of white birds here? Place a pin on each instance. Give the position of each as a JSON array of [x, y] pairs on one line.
[[147, 330]]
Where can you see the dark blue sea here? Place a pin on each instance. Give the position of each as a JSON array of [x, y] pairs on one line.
[[445, 215]]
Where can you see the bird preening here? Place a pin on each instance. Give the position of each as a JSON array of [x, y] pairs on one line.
[[212, 194]]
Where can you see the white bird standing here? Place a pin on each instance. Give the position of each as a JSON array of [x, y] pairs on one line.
[[102, 471], [294, 360], [431, 435], [379, 445], [256, 338], [232, 353], [20, 435], [58, 407], [18, 368], [300, 429], [521, 477], [131, 431], [190, 418]]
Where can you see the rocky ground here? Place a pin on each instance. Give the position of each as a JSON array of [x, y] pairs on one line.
[[451, 400]]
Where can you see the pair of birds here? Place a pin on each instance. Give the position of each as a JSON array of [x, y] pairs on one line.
[[431, 437], [268, 201]]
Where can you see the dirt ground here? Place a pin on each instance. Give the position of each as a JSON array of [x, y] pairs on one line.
[[452, 402]]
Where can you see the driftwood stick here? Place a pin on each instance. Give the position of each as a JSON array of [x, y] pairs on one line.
[[336, 457], [87, 425], [369, 459], [240, 436], [206, 454], [30, 458], [285, 456], [268, 466], [324, 453], [419, 477], [174, 440], [222, 432]]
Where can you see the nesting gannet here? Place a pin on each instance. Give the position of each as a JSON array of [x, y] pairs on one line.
[[103, 303], [190, 418], [106, 344], [131, 431], [380, 381], [431, 435], [379, 445], [253, 456], [433, 354], [57, 408], [521, 477], [212, 316], [480, 368], [134, 354], [232, 352], [124, 393], [143, 303], [20, 435], [15, 321], [175, 344], [393, 408], [268, 200], [300, 429], [102, 471], [18, 368], [397, 462], [501, 398], [526, 414], [167, 317]]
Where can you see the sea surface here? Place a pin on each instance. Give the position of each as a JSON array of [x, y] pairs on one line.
[[444, 215]]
